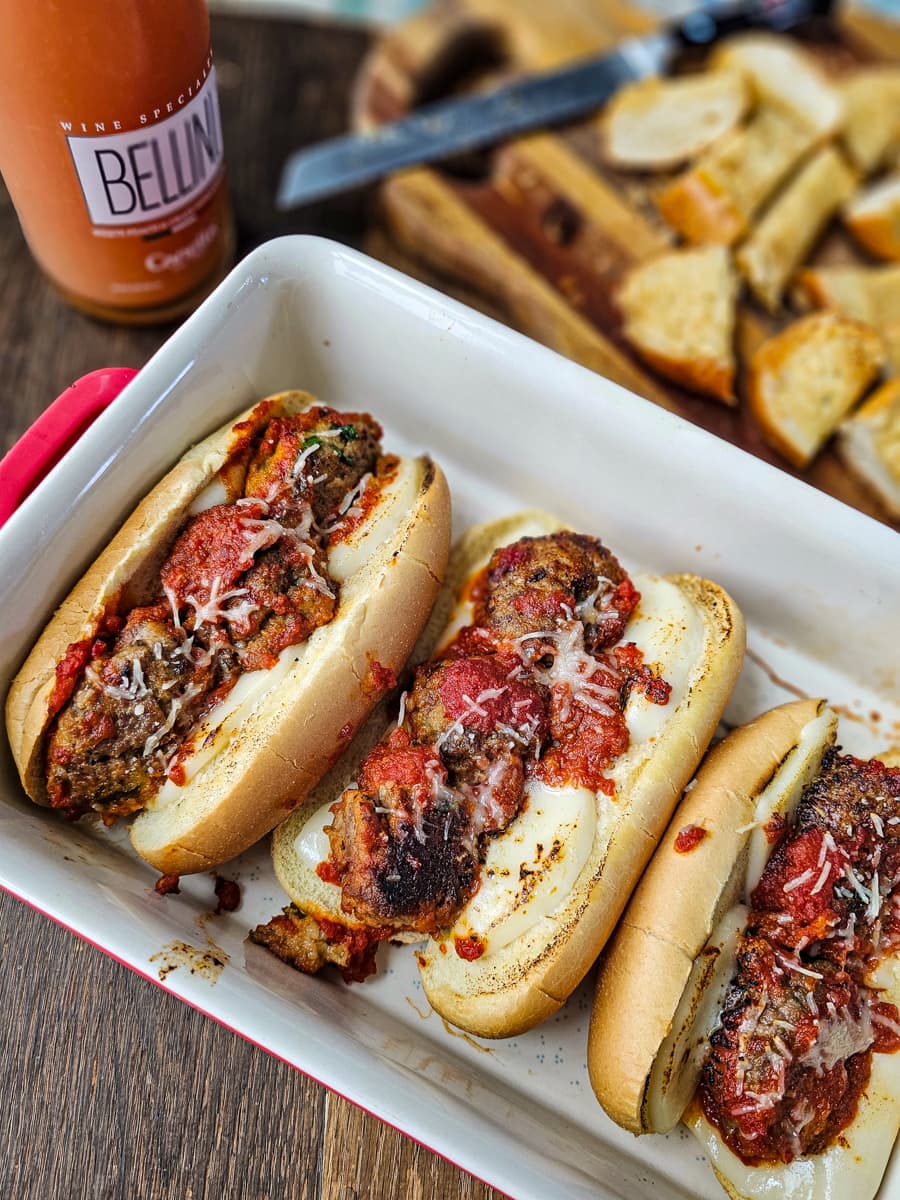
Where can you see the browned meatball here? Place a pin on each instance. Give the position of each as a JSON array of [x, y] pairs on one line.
[[537, 582], [288, 594], [474, 713], [402, 858], [130, 711], [343, 447]]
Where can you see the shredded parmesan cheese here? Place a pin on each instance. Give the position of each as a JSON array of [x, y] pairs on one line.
[[856, 884], [573, 669], [260, 535], [588, 606], [820, 882], [793, 965], [840, 1036], [798, 880], [874, 906], [472, 706], [125, 689], [173, 604], [211, 611], [175, 708]]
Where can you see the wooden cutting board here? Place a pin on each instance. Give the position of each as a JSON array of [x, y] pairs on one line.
[[539, 231]]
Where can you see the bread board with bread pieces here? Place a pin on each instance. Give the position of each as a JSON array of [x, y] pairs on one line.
[[569, 235]]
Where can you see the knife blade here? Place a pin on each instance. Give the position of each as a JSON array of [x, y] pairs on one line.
[[457, 126]]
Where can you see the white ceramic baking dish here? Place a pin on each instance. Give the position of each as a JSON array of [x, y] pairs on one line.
[[514, 425]]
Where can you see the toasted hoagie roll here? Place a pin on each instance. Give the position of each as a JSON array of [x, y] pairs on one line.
[[751, 985], [509, 812], [221, 651]]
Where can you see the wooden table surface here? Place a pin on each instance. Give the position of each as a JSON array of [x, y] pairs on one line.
[[114, 1090]]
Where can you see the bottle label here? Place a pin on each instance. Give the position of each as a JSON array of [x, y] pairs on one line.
[[149, 173]]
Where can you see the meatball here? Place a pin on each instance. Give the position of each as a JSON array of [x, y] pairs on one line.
[[288, 595], [476, 713], [768, 1083], [342, 448], [129, 712], [537, 582], [847, 791], [403, 854]]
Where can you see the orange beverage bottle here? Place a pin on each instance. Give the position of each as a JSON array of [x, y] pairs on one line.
[[111, 147]]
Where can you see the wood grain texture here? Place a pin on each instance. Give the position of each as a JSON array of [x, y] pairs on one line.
[[546, 230], [115, 1090]]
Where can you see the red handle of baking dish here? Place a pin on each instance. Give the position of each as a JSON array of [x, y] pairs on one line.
[[55, 432]]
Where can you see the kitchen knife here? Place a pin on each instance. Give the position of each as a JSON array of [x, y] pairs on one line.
[[455, 126]]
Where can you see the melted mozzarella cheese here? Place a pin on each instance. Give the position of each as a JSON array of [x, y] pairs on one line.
[[214, 493], [531, 869], [676, 1070], [670, 633], [783, 793], [347, 557], [311, 844], [213, 732]]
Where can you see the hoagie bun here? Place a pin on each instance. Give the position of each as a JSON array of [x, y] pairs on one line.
[[272, 584], [550, 880], [679, 1003]]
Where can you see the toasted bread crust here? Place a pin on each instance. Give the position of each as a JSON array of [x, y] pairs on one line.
[[679, 313], [871, 127], [287, 740], [806, 378], [873, 217], [657, 124], [672, 914], [793, 222], [869, 443], [716, 199]]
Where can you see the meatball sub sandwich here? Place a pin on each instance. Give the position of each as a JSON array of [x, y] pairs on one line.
[[222, 650], [508, 811], [752, 986]]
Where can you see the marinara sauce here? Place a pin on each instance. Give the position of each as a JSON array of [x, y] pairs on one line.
[[802, 1019]]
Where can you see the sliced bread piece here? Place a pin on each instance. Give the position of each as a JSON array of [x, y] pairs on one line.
[[869, 443], [873, 217], [793, 222], [658, 124], [781, 73], [806, 378], [871, 115], [870, 294], [715, 200], [679, 313]]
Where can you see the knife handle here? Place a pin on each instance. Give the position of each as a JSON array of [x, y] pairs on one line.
[[706, 25]]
